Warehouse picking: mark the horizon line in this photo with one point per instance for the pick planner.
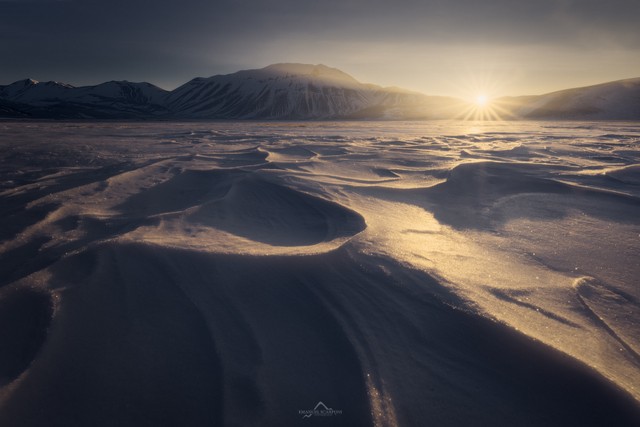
(318, 64)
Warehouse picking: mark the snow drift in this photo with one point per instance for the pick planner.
(243, 273)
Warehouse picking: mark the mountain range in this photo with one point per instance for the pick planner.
(300, 92)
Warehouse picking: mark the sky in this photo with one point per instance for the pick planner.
(438, 47)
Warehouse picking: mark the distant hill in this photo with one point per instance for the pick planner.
(297, 92)
(110, 100)
(619, 100)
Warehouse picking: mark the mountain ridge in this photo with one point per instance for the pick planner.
(615, 100)
(298, 92)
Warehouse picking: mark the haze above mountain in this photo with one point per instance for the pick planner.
(301, 92)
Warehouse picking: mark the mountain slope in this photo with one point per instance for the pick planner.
(30, 91)
(298, 92)
(277, 91)
(107, 100)
(288, 91)
(618, 100)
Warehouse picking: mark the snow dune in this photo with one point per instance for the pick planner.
(402, 274)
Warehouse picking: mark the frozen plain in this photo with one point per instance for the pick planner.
(238, 273)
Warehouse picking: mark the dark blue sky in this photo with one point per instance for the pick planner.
(435, 46)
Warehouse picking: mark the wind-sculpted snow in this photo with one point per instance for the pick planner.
(374, 274)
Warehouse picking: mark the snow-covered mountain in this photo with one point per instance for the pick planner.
(618, 100)
(293, 91)
(115, 99)
(30, 91)
(279, 91)
(299, 92)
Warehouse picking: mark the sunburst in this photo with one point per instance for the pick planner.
(481, 90)
(481, 100)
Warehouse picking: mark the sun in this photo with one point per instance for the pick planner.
(480, 95)
(481, 100)
(483, 106)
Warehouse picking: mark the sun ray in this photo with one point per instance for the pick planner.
(481, 88)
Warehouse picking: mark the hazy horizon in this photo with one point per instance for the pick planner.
(453, 48)
(469, 96)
